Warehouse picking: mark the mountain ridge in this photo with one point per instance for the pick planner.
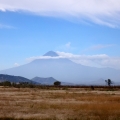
(15, 79)
(48, 81)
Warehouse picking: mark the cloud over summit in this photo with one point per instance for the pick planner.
(104, 12)
(100, 60)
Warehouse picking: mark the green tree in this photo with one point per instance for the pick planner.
(57, 83)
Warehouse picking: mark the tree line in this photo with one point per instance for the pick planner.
(31, 85)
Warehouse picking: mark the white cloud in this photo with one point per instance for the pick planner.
(16, 64)
(42, 57)
(66, 47)
(100, 60)
(2, 26)
(104, 12)
(100, 46)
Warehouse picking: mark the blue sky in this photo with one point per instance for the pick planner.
(76, 29)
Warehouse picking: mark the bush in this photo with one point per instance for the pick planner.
(5, 83)
(57, 83)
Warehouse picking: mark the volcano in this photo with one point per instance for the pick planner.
(63, 69)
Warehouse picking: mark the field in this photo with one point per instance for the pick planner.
(59, 104)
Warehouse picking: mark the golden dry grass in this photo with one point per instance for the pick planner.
(71, 104)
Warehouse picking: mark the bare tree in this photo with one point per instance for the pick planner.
(109, 82)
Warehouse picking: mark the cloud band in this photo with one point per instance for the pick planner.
(104, 12)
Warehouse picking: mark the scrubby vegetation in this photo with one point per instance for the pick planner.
(18, 85)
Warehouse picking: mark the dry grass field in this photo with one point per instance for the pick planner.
(53, 104)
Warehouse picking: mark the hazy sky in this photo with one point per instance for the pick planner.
(85, 31)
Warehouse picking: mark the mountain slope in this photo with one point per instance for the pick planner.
(14, 79)
(45, 81)
(48, 81)
(51, 53)
(63, 69)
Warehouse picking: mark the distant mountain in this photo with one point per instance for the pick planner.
(48, 81)
(65, 70)
(14, 79)
(45, 81)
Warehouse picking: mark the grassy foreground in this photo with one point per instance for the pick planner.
(70, 104)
